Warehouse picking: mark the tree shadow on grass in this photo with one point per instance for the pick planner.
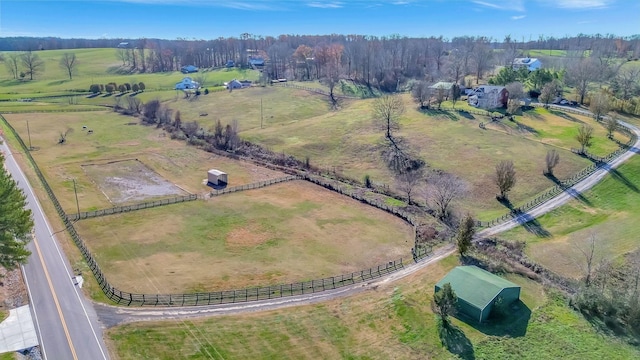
(512, 321)
(566, 116)
(572, 192)
(434, 112)
(621, 178)
(454, 340)
(528, 222)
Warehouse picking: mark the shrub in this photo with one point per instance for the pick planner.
(534, 94)
(206, 91)
(141, 86)
(127, 86)
(95, 88)
(110, 88)
(135, 88)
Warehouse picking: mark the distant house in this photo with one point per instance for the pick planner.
(123, 45)
(530, 63)
(478, 290)
(230, 64)
(488, 97)
(237, 84)
(256, 61)
(187, 83)
(187, 69)
(442, 85)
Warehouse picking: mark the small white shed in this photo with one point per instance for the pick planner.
(216, 177)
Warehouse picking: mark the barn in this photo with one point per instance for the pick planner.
(216, 177)
(478, 290)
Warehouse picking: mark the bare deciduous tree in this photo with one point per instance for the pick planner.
(421, 93)
(584, 137)
(443, 189)
(482, 57)
(551, 160)
(386, 112)
(600, 104)
(32, 63)
(581, 73)
(62, 139)
(505, 177)
(591, 257)
(408, 181)
(11, 62)
(69, 63)
(611, 124)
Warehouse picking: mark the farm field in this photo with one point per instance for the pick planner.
(392, 321)
(284, 233)
(100, 66)
(607, 211)
(117, 138)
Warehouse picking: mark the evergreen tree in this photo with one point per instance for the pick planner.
(465, 234)
(444, 303)
(15, 222)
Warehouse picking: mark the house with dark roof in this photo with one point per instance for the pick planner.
(488, 97)
(187, 69)
(478, 291)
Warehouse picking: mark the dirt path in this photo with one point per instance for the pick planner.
(112, 316)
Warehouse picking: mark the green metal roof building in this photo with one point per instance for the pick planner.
(477, 290)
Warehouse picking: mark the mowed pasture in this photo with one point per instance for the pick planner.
(348, 140)
(99, 66)
(607, 212)
(116, 138)
(394, 321)
(289, 232)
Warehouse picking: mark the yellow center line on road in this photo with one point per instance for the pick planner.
(55, 300)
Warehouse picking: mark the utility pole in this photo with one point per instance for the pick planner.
(29, 135)
(261, 117)
(76, 192)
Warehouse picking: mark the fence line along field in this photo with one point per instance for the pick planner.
(289, 232)
(112, 140)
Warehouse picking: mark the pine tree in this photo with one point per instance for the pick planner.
(444, 303)
(15, 222)
(465, 234)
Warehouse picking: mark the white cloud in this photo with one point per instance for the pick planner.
(518, 17)
(327, 5)
(512, 5)
(579, 4)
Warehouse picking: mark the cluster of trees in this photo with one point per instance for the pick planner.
(28, 64)
(113, 87)
(610, 290)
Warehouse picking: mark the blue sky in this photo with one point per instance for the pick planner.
(210, 19)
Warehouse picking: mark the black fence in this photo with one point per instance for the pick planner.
(599, 162)
(52, 110)
(210, 298)
(257, 293)
(133, 207)
(255, 185)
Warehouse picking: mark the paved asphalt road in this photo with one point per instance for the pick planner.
(67, 325)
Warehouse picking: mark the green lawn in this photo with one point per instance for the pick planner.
(284, 233)
(607, 211)
(391, 322)
(100, 66)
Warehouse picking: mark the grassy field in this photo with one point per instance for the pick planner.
(390, 322)
(608, 211)
(117, 137)
(284, 233)
(97, 66)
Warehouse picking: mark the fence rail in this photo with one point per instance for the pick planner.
(197, 299)
(256, 185)
(128, 208)
(566, 184)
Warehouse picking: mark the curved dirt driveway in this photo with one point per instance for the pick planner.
(111, 315)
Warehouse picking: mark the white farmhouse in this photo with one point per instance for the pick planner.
(187, 83)
(531, 64)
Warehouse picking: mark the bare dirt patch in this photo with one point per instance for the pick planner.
(130, 181)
